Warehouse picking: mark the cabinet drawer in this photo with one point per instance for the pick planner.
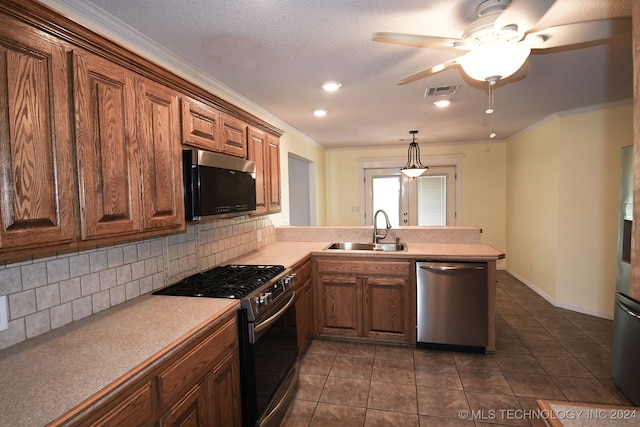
(195, 364)
(367, 267)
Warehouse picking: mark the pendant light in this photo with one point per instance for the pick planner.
(414, 167)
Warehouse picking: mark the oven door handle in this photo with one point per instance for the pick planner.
(267, 322)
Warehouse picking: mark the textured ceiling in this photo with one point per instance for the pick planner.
(277, 53)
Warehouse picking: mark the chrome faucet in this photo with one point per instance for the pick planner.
(377, 236)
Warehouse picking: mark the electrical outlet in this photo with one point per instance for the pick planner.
(4, 318)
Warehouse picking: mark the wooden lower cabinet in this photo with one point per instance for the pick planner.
(213, 402)
(190, 411)
(135, 410)
(304, 304)
(223, 393)
(365, 298)
(199, 386)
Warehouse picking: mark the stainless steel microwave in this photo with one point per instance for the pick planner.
(217, 185)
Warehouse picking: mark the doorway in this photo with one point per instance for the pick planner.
(433, 199)
(302, 195)
(428, 200)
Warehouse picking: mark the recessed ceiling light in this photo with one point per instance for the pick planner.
(331, 86)
(320, 113)
(442, 103)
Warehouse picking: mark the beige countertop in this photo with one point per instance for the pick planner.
(44, 377)
(289, 253)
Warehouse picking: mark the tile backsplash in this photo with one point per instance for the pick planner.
(47, 293)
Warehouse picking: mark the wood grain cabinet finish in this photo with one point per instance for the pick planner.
(36, 187)
(135, 410)
(366, 298)
(304, 305)
(223, 393)
(161, 157)
(233, 136)
(189, 411)
(257, 146)
(200, 125)
(274, 203)
(264, 150)
(107, 151)
(198, 385)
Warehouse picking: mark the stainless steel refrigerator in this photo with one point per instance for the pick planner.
(625, 351)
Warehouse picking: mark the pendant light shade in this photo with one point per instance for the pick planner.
(497, 61)
(414, 167)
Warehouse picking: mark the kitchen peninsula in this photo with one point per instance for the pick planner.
(95, 365)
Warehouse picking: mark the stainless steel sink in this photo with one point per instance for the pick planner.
(383, 247)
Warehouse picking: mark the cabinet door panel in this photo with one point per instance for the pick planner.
(233, 136)
(190, 411)
(199, 125)
(36, 190)
(273, 161)
(386, 308)
(257, 152)
(340, 311)
(159, 126)
(107, 152)
(224, 393)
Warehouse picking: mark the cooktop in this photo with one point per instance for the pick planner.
(229, 281)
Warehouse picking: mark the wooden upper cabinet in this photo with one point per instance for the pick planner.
(200, 125)
(274, 203)
(36, 187)
(264, 150)
(107, 155)
(257, 142)
(233, 136)
(160, 156)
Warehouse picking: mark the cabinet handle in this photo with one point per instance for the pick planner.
(452, 267)
(627, 310)
(266, 323)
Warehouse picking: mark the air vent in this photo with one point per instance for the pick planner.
(441, 90)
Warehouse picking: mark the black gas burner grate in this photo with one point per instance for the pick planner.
(228, 281)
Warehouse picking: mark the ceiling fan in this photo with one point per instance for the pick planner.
(500, 40)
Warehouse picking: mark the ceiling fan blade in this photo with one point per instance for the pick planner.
(429, 72)
(417, 40)
(523, 13)
(580, 32)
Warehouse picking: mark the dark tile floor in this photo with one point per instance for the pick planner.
(542, 352)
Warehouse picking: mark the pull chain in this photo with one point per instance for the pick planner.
(490, 109)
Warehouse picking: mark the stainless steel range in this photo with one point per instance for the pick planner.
(267, 332)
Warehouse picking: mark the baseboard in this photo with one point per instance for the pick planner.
(558, 304)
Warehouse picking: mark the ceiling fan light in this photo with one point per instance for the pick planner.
(496, 61)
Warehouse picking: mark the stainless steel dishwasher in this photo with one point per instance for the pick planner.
(452, 305)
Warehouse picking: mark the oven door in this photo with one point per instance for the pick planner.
(269, 359)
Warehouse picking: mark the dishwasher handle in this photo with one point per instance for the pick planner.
(452, 267)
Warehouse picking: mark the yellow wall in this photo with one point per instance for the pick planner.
(483, 184)
(563, 182)
(532, 206)
(314, 153)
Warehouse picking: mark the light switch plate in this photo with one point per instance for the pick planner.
(4, 321)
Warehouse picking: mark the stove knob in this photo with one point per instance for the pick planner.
(265, 298)
(290, 279)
